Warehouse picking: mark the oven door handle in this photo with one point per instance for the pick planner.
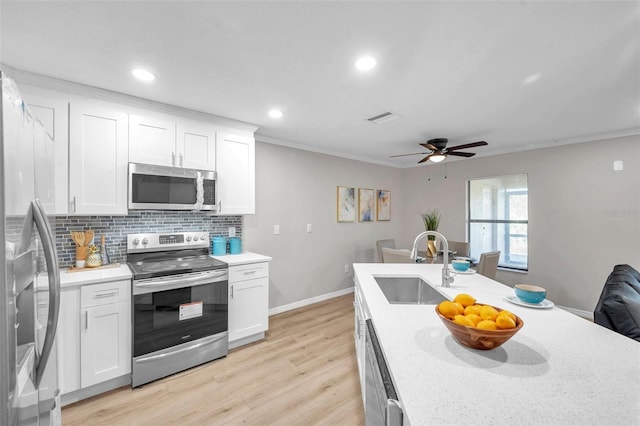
(205, 279)
(179, 351)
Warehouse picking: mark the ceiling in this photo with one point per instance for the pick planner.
(519, 75)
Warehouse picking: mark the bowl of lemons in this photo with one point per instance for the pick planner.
(476, 325)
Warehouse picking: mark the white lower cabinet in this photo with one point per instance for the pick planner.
(248, 301)
(94, 339)
(360, 336)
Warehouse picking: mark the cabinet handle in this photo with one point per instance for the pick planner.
(173, 158)
(86, 320)
(74, 203)
(181, 160)
(232, 292)
(220, 206)
(109, 293)
(250, 272)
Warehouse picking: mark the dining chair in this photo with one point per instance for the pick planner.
(390, 255)
(488, 264)
(461, 248)
(391, 243)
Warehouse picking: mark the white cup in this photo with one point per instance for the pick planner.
(80, 264)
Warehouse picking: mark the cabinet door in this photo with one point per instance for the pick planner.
(196, 145)
(235, 166)
(106, 342)
(68, 337)
(18, 173)
(248, 308)
(98, 146)
(152, 140)
(52, 109)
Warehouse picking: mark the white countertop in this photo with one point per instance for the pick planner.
(92, 276)
(559, 369)
(243, 258)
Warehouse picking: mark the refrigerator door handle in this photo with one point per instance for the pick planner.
(51, 258)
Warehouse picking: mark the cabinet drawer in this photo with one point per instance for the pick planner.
(248, 272)
(105, 293)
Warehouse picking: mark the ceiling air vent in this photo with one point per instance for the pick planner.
(383, 117)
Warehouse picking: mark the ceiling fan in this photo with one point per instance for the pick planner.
(439, 150)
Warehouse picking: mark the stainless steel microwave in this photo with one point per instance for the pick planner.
(154, 187)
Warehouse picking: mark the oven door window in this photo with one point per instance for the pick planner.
(162, 189)
(168, 318)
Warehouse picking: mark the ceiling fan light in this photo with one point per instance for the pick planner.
(436, 158)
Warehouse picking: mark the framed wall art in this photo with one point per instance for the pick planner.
(366, 205)
(346, 204)
(383, 204)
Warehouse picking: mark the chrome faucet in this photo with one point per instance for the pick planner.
(447, 279)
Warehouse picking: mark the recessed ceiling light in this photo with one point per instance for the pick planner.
(276, 113)
(143, 75)
(532, 78)
(366, 63)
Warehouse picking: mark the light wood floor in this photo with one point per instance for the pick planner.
(303, 373)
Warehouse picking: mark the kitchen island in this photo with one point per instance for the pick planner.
(559, 369)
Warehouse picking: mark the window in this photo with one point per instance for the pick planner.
(498, 219)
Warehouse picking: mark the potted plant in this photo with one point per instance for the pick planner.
(431, 221)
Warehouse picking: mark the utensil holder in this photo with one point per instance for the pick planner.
(82, 252)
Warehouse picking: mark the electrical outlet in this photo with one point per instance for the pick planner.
(346, 269)
(276, 229)
(232, 231)
(309, 227)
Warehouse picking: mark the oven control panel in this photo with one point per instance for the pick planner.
(166, 241)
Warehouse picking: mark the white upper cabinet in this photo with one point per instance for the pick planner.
(98, 146)
(196, 145)
(52, 109)
(152, 139)
(169, 141)
(235, 166)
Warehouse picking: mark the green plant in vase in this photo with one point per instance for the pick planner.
(431, 221)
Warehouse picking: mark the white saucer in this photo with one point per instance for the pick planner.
(467, 272)
(545, 304)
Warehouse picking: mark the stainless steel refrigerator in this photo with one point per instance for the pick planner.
(30, 290)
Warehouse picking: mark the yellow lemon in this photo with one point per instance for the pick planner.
(488, 313)
(464, 299)
(473, 309)
(448, 309)
(504, 312)
(462, 320)
(475, 318)
(459, 307)
(487, 325)
(504, 321)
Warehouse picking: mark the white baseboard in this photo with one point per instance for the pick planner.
(579, 312)
(310, 301)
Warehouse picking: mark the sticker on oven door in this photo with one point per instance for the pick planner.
(190, 310)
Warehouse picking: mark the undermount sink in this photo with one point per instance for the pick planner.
(409, 291)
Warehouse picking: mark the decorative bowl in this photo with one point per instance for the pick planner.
(530, 293)
(460, 265)
(480, 339)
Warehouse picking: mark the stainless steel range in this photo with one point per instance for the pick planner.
(180, 304)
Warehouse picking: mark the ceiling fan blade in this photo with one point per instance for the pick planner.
(462, 154)
(404, 155)
(425, 158)
(429, 146)
(467, 145)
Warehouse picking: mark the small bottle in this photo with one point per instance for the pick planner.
(104, 256)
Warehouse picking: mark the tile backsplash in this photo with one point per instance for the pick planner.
(116, 228)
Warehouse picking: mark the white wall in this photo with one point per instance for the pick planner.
(294, 188)
(584, 218)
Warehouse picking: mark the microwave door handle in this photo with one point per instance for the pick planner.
(44, 229)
